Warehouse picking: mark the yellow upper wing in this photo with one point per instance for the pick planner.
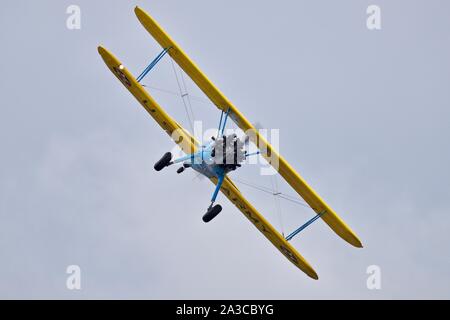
(189, 145)
(272, 156)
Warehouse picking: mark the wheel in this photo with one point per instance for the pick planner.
(163, 162)
(180, 170)
(212, 213)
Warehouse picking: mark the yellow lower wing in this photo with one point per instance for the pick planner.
(272, 156)
(189, 145)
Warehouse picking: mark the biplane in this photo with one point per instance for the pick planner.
(223, 154)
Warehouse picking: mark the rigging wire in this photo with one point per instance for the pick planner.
(188, 96)
(187, 107)
(268, 191)
(273, 181)
(192, 97)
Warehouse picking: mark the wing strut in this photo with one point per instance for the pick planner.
(152, 64)
(304, 226)
(222, 130)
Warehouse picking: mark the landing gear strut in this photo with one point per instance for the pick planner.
(214, 210)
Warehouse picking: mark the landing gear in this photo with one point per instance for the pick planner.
(214, 210)
(165, 161)
(212, 213)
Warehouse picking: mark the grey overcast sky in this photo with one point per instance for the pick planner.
(363, 115)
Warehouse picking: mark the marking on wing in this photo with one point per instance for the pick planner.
(288, 253)
(122, 77)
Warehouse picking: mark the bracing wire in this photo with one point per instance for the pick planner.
(273, 181)
(192, 97)
(186, 93)
(271, 192)
(189, 114)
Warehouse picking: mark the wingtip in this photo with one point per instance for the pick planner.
(310, 272)
(357, 243)
(351, 238)
(138, 11)
(142, 15)
(101, 50)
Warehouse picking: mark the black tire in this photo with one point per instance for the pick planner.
(180, 170)
(212, 213)
(163, 162)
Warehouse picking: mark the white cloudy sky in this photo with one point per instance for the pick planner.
(364, 117)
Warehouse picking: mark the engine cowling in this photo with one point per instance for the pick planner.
(228, 151)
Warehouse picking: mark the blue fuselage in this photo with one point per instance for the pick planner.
(203, 162)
